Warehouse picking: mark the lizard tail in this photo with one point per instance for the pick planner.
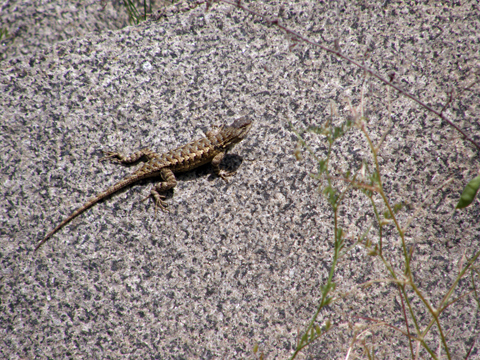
(118, 186)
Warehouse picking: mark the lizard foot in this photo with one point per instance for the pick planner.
(112, 156)
(159, 203)
(225, 175)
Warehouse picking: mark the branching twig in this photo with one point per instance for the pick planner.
(299, 37)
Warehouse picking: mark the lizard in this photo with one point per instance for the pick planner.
(211, 149)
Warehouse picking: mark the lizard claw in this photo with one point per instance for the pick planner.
(110, 155)
(225, 175)
(159, 203)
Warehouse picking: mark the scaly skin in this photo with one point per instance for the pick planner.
(210, 149)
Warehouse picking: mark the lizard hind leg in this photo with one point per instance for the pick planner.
(169, 183)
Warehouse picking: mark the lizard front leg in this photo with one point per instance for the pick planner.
(216, 167)
(129, 159)
(169, 183)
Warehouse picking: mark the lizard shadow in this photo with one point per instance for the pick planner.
(230, 163)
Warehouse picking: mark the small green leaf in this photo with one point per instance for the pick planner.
(373, 252)
(374, 178)
(304, 338)
(318, 330)
(331, 195)
(338, 132)
(327, 288)
(3, 33)
(468, 194)
(339, 233)
(368, 243)
(398, 207)
(255, 348)
(322, 166)
(316, 130)
(327, 301)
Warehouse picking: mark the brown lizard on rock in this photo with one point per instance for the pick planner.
(210, 149)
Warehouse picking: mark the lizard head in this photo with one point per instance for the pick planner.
(239, 129)
(225, 137)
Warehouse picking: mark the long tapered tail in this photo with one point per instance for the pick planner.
(118, 186)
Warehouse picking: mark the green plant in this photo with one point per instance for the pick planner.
(3, 33)
(134, 14)
(368, 180)
(469, 193)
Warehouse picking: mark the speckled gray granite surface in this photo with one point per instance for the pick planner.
(34, 25)
(240, 263)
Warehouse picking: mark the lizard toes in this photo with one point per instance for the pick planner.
(226, 175)
(110, 155)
